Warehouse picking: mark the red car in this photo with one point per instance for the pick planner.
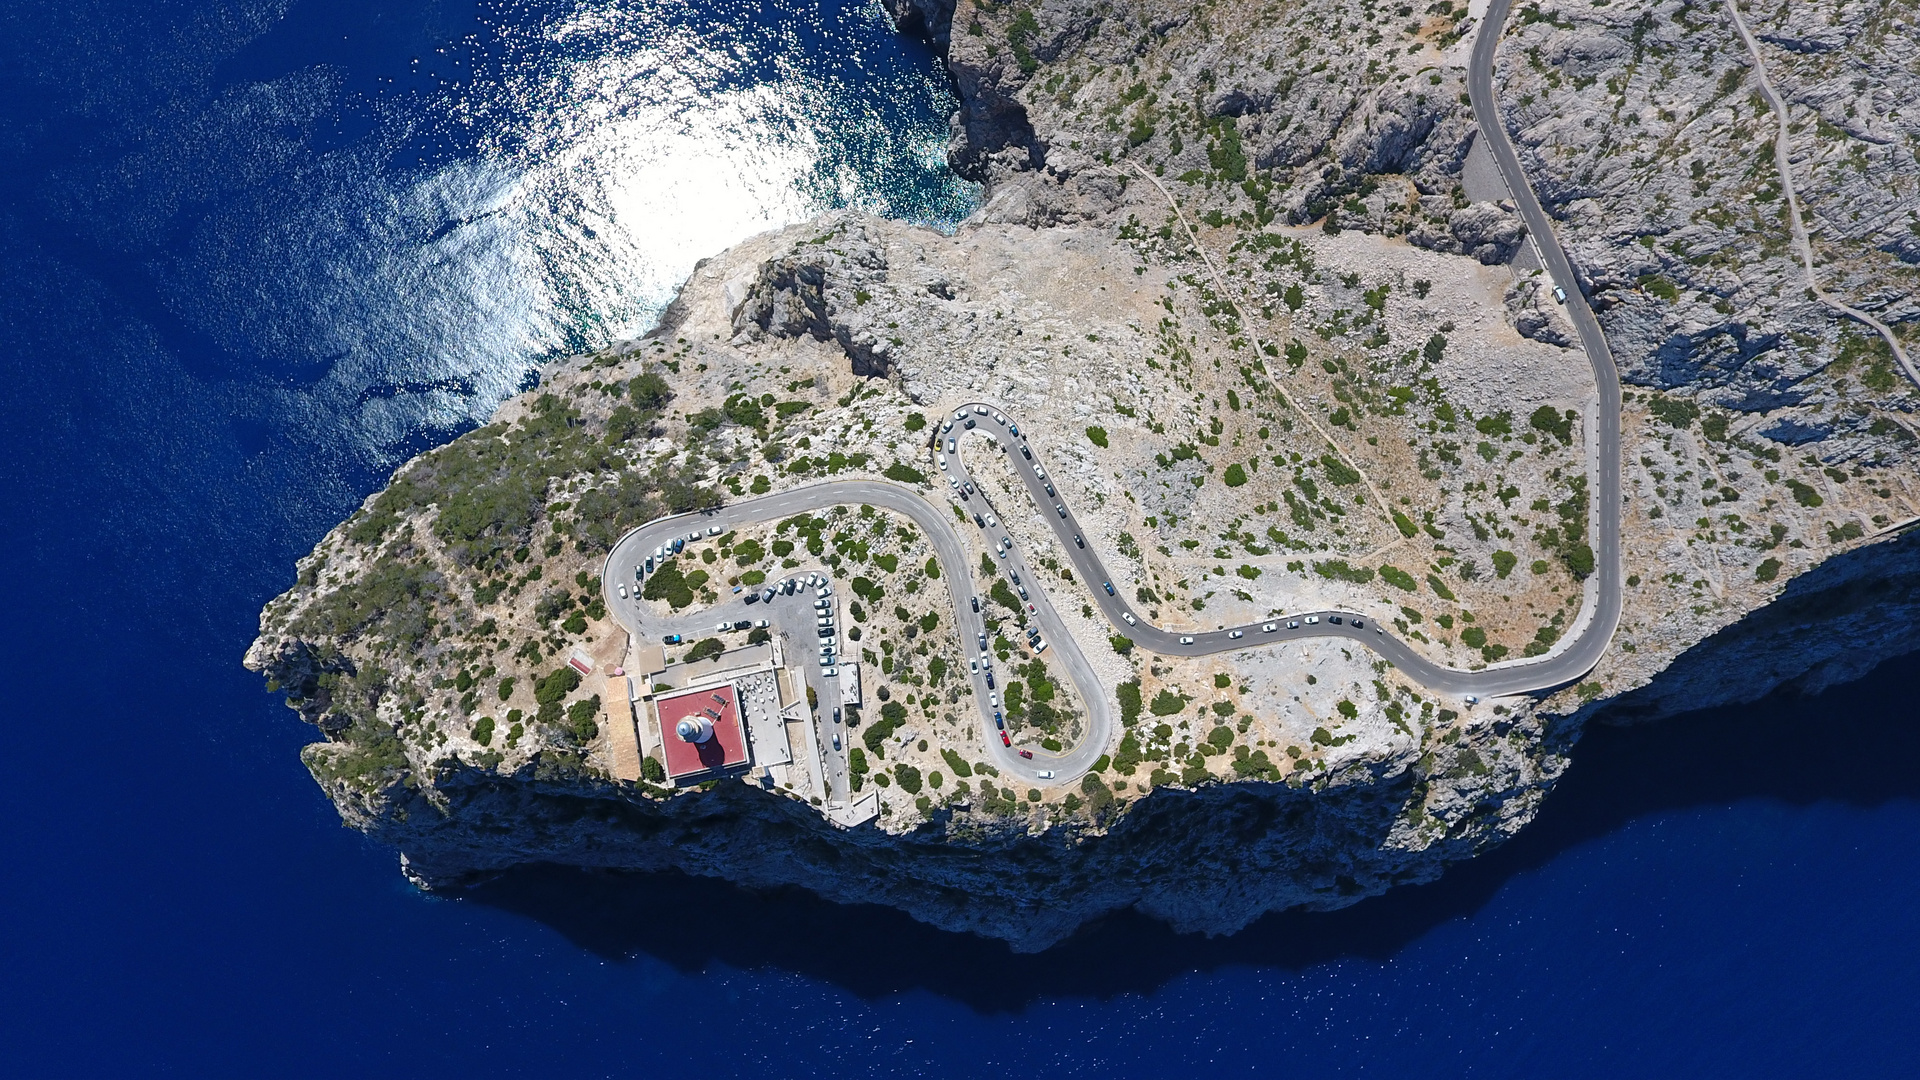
(1004, 741)
(1028, 754)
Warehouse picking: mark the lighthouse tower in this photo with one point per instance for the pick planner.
(694, 729)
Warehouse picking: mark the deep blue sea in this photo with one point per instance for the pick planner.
(255, 253)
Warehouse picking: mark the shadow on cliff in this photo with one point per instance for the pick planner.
(1772, 749)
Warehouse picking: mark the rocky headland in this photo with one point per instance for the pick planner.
(1384, 412)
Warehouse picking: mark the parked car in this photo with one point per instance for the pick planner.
(836, 714)
(941, 460)
(989, 678)
(1312, 619)
(1004, 740)
(980, 521)
(950, 446)
(999, 721)
(1334, 619)
(1026, 452)
(829, 672)
(769, 595)
(1559, 295)
(1293, 624)
(743, 624)
(1040, 647)
(975, 666)
(672, 639)
(762, 624)
(1045, 774)
(836, 740)
(724, 626)
(1268, 628)
(992, 522)
(753, 598)
(983, 642)
(1358, 625)
(1028, 754)
(623, 592)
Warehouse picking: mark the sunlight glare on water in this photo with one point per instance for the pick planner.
(605, 149)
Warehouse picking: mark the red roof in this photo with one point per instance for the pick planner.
(726, 749)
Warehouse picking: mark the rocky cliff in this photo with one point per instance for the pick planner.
(1327, 158)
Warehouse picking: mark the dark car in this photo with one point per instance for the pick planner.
(1050, 490)
(1108, 585)
(976, 602)
(980, 521)
(990, 685)
(753, 598)
(743, 624)
(1026, 453)
(672, 639)
(1334, 619)
(1062, 509)
(999, 721)
(1077, 542)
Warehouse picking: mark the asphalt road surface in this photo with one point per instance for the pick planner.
(1575, 658)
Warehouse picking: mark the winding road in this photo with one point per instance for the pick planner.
(1576, 656)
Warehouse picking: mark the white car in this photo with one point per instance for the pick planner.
(830, 673)
(1235, 634)
(1312, 619)
(992, 522)
(976, 665)
(762, 624)
(941, 459)
(623, 592)
(825, 591)
(950, 446)
(713, 530)
(1045, 774)
(724, 626)
(980, 410)
(1128, 615)
(960, 413)
(1186, 639)
(994, 700)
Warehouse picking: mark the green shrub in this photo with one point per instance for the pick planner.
(1767, 570)
(1220, 737)
(669, 584)
(903, 473)
(705, 649)
(1097, 436)
(1504, 562)
(1553, 422)
(1129, 694)
(916, 422)
(1678, 412)
(580, 719)
(1804, 493)
(1404, 524)
(652, 770)
(1346, 708)
(557, 686)
(1500, 423)
(955, 762)
(1167, 703)
(1473, 637)
(1439, 587)
(483, 731)
(1337, 471)
(1121, 644)
(1398, 578)
(907, 777)
(1338, 570)
(506, 688)
(1235, 475)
